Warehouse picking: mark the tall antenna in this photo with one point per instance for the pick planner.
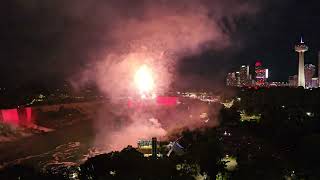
(301, 40)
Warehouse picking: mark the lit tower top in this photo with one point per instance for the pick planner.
(301, 48)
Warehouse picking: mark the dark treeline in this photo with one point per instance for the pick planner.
(257, 100)
(288, 132)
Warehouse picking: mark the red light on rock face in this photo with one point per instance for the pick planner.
(132, 103)
(10, 116)
(159, 101)
(167, 101)
(21, 116)
(29, 115)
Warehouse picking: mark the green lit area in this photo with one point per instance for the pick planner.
(249, 117)
(228, 104)
(230, 162)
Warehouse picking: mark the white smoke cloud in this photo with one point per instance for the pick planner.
(156, 33)
(143, 129)
(110, 39)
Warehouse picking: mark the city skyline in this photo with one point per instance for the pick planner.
(306, 75)
(259, 77)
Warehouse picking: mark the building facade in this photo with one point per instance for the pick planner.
(315, 83)
(232, 79)
(309, 71)
(293, 81)
(261, 74)
(244, 75)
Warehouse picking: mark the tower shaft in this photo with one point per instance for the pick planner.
(301, 76)
(319, 68)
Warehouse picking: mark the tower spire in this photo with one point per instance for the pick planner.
(301, 40)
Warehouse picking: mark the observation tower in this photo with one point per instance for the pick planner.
(301, 48)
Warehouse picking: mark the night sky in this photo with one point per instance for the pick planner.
(41, 44)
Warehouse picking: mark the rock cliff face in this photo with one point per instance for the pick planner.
(27, 116)
(83, 107)
(17, 116)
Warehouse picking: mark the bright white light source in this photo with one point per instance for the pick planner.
(113, 173)
(310, 114)
(231, 162)
(225, 133)
(144, 80)
(73, 176)
(267, 73)
(203, 115)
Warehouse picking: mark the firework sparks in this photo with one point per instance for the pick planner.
(144, 80)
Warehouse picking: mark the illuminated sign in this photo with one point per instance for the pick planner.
(144, 143)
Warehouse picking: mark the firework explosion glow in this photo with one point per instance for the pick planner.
(138, 50)
(144, 80)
